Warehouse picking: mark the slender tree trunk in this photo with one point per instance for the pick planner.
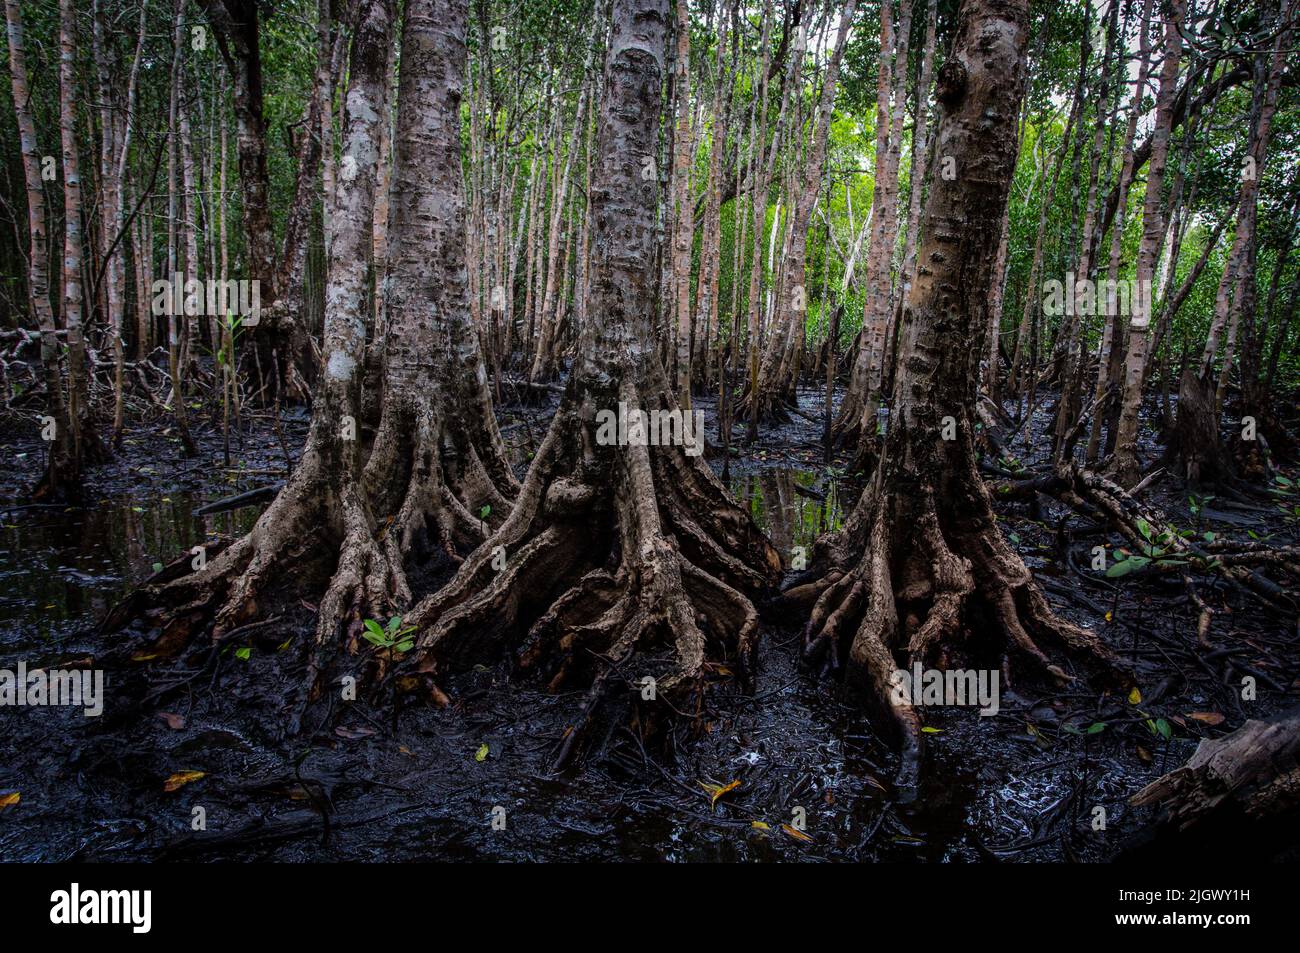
(791, 306)
(857, 418)
(1110, 359)
(1125, 465)
(63, 467)
(1194, 447)
(85, 440)
(682, 208)
(175, 362)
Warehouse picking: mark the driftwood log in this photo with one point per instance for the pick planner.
(1240, 792)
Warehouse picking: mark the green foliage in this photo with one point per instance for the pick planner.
(391, 636)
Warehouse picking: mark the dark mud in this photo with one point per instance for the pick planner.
(1025, 784)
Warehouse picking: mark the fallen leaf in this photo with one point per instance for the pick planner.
(9, 800)
(1144, 754)
(482, 753)
(352, 734)
(182, 778)
(717, 790)
(1206, 717)
(932, 731)
(174, 722)
(1135, 696)
(760, 825)
(797, 835)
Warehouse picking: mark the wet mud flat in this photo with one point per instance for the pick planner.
(794, 770)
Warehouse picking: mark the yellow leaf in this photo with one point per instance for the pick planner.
(182, 778)
(482, 753)
(9, 800)
(1135, 696)
(760, 825)
(932, 731)
(717, 790)
(1109, 617)
(797, 835)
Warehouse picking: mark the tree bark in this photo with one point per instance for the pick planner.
(63, 466)
(613, 548)
(1125, 464)
(921, 555)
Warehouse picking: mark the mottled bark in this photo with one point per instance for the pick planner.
(856, 421)
(320, 507)
(1111, 356)
(85, 439)
(681, 208)
(1125, 464)
(63, 466)
(1194, 448)
(612, 548)
(775, 382)
(921, 552)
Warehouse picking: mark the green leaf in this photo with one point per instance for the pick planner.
(380, 640)
(1209, 537)
(404, 646)
(485, 511)
(157, 567)
(482, 753)
(373, 626)
(245, 653)
(1096, 727)
(1121, 568)
(1144, 528)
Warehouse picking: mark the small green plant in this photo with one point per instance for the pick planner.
(1159, 728)
(1157, 550)
(390, 637)
(1095, 728)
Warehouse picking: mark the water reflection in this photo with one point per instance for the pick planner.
(793, 507)
(58, 564)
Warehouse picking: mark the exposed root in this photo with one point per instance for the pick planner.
(614, 565)
(920, 582)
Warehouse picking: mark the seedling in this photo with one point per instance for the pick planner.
(391, 637)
